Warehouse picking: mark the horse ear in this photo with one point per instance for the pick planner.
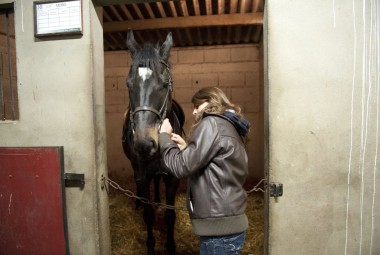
(132, 45)
(166, 46)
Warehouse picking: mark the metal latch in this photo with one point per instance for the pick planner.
(275, 189)
(74, 180)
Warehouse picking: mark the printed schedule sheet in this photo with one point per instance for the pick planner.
(59, 17)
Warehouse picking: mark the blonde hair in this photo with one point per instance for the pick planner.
(218, 103)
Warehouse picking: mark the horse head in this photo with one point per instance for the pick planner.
(150, 92)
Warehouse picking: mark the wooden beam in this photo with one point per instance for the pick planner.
(186, 22)
(118, 2)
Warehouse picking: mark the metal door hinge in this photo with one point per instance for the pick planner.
(275, 189)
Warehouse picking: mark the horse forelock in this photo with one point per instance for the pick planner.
(148, 57)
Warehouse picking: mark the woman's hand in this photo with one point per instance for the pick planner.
(179, 141)
(166, 127)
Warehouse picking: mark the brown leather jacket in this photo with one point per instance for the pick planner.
(216, 165)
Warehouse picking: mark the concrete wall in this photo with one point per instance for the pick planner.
(235, 69)
(322, 67)
(61, 100)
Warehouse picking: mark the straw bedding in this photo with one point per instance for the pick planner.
(128, 231)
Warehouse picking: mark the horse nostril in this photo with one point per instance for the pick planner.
(154, 147)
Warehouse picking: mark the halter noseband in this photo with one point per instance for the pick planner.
(163, 110)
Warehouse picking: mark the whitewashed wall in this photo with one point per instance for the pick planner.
(322, 68)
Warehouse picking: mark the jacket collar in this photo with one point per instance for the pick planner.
(241, 125)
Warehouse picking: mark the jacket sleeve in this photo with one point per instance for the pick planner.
(200, 150)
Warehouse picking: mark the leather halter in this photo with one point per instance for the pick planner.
(163, 110)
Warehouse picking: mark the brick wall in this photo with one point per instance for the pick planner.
(235, 69)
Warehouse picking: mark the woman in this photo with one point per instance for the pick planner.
(215, 162)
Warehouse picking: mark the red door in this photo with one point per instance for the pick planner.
(32, 211)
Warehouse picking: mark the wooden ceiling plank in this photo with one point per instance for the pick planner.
(247, 34)
(243, 6)
(199, 36)
(152, 16)
(237, 34)
(233, 6)
(208, 7)
(184, 8)
(108, 45)
(126, 12)
(179, 37)
(106, 16)
(229, 34)
(196, 8)
(117, 42)
(161, 9)
(219, 35)
(221, 6)
(115, 12)
(186, 22)
(185, 13)
(255, 5)
(261, 6)
(139, 37)
(137, 10)
(209, 36)
(257, 34)
(238, 29)
(150, 11)
(189, 38)
(123, 40)
(172, 9)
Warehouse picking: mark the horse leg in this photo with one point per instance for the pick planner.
(149, 221)
(156, 180)
(138, 203)
(171, 184)
(137, 178)
(148, 215)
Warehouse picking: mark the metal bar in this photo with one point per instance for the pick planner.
(10, 68)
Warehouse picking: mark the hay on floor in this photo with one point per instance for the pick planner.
(128, 232)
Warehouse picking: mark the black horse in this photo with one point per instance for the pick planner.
(150, 102)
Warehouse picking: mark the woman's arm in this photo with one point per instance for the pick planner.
(201, 149)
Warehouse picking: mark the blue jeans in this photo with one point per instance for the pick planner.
(222, 245)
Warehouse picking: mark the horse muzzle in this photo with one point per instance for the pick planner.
(146, 142)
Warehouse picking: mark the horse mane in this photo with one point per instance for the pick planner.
(179, 112)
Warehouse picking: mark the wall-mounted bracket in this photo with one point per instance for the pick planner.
(74, 180)
(275, 189)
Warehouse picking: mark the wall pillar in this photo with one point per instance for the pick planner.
(61, 100)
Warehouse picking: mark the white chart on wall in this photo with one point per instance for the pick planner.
(58, 17)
